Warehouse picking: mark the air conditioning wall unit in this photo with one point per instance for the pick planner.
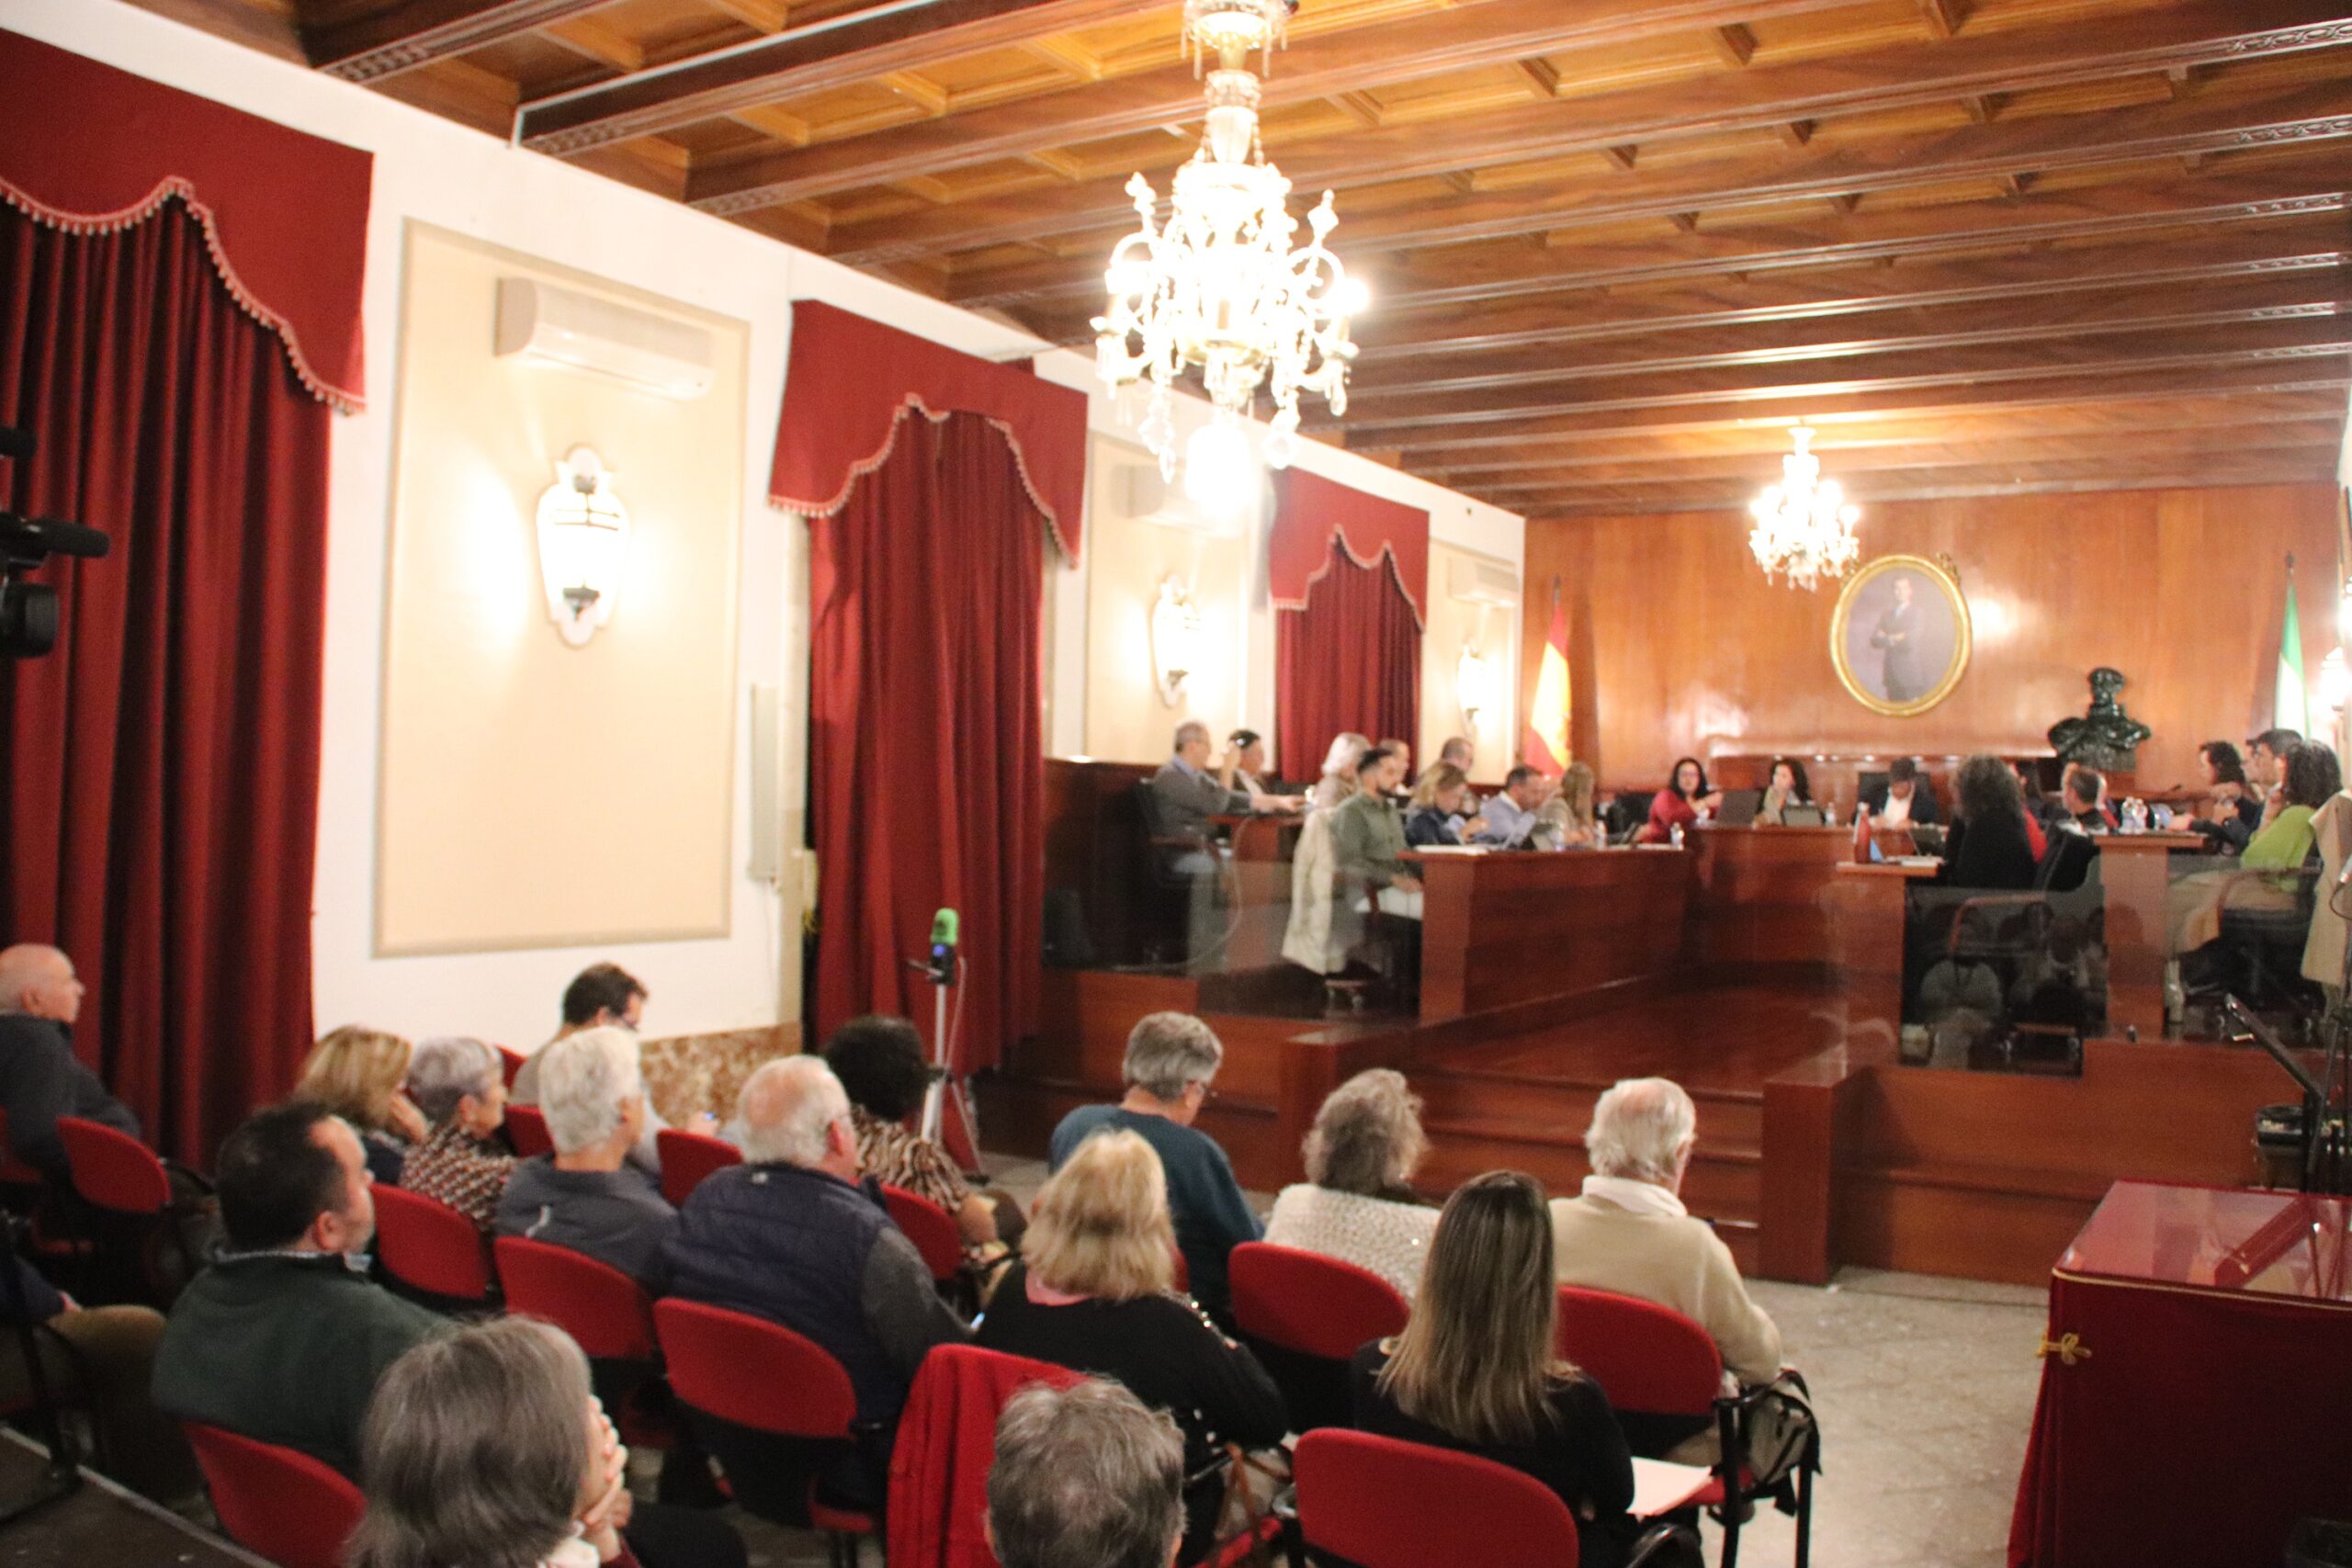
(1476, 582)
(655, 354)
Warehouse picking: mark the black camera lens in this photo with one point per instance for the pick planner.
(27, 620)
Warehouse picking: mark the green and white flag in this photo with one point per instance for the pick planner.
(2290, 710)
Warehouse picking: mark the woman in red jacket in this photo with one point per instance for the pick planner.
(1683, 804)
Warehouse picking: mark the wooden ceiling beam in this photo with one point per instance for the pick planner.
(898, 36)
(1761, 98)
(418, 32)
(2308, 296)
(1475, 34)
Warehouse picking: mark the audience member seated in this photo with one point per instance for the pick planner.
(1684, 803)
(606, 996)
(1337, 782)
(2286, 839)
(586, 1195)
(1457, 751)
(1437, 815)
(485, 1446)
(1187, 793)
(1085, 1477)
(1788, 786)
(1511, 820)
(40, 1078)
(284, 1337)
(880, 1064)
(2083, 795)
(1398, 785)
(361, 1075)
(2231, 810)
(460, 1087)
(792, 1236)
(1245, 772)
(1906, 800)
(1357, 1204)
(1093, 1293)
(1171, 1059)
(1368, 844)
(2265, 766)
(1569, 820)
(1475, 1370)
(1988, 846)
(1628, 1232)
(101, 1358)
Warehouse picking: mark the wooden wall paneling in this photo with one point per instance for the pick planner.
(1503, 929)
(1763, 894)
(2135, 878)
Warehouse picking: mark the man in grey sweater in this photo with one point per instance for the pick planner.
(587, 1196)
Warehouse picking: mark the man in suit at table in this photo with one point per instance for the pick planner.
(1187, 794)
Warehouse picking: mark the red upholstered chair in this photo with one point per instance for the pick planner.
(1306, 1316)
(607, 1313)
(113, 1170)
(1381, 1503)
(687, 1157)
(275, 1502)
(939, 1464)
(510, 1062)
(1653, 1360)
(761, 1375)
(526, 1130)
(932, 1230)
(431, 1248)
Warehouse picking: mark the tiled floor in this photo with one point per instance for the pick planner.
(1925, 1388)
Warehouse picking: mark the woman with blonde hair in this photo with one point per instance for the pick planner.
(1357, 1204)
(361, 1075)
(1093, 1293)
(1439, 806)
(1568, 820)
(1475, 1368)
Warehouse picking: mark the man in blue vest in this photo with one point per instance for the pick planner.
(792, 1236)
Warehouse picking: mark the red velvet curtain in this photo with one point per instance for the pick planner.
(1350, 660)
(926, 749)
(160, 799)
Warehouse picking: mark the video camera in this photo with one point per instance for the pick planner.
(29, 610)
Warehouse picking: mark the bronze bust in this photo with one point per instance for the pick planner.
(2105, 738)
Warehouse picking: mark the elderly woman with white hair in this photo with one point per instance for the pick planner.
(1628, 1232)
(1337, 782)
(1357, 1204)
(586, 1195)
(459, 1088)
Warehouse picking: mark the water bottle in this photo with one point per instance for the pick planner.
(2136, 815)
(1674, 834)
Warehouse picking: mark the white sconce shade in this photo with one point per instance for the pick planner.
(584, 546)
(2334, 682)
(1473, 684)
(1175, 640)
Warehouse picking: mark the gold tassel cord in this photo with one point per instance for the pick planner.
(2068, 1347)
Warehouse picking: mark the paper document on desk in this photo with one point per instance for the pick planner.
(1661, 1486)
(1452, 848)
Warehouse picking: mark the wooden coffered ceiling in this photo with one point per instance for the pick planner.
(1616, 246)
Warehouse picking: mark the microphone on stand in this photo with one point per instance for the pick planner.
(943, 930)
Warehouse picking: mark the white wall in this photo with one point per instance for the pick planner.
(430, 169)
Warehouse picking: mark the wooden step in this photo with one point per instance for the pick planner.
(1553, 1108)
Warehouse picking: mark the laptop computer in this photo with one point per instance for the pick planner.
(1739, 807)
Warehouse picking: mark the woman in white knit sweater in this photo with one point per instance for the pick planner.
(1358, 1203)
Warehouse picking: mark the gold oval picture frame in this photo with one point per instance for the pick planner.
(1900, 637)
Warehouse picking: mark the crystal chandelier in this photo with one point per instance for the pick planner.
(1220, 285)
(1805, 528)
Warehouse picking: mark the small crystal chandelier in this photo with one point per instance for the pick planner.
(1804, 529)
(1220, 286)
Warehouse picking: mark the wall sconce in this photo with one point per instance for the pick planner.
(1175, 640)
(583, 545)
(1473, 684)
(2335, 685)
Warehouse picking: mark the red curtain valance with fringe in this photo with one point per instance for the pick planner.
(1311, 513)
(852, 381)
(89, 149)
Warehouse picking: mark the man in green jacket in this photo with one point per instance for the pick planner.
(283, 1338)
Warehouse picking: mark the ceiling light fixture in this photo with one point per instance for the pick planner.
(1220, 285)
(1805, 528)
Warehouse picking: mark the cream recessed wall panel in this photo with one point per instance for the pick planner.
(1129, 556)
(533, 794)
(1450, 625)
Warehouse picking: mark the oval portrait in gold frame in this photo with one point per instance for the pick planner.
(1900, 636)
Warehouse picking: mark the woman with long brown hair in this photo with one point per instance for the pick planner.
(1475, 1370)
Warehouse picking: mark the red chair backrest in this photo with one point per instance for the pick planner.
(276, 1501)
(430, 1247)
(753, 1372)
(687, 1157)
(526, 1129)
(604, 1310)
(938, 1497)
(1310, 1304)
(510, 1062)
(1644, 1357)
(1381, 1503)
(113, 1170)
(932, 1228)
(13, 1171)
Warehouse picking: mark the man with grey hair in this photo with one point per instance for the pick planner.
(40, 1078)
(1171, 1059)
(586, 1195)
(459, 1088)
(1085, 1477)
(1629, 1232)
(794, 1237)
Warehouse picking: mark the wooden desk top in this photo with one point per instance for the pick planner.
(1890, 868)
(2150, 840)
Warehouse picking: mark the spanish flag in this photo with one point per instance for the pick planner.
(1545, 746)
